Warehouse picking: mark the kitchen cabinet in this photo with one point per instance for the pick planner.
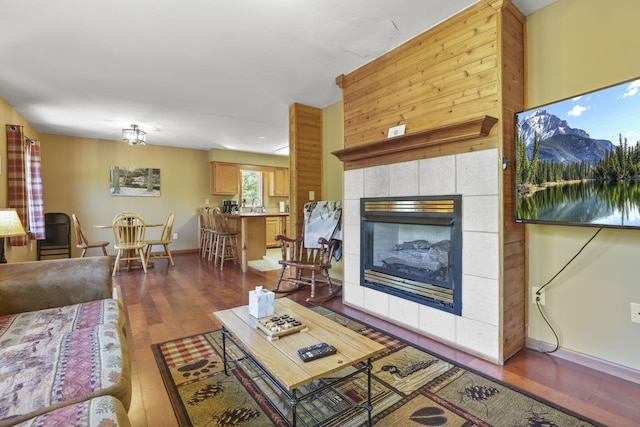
(279, 182)
(225, 178)
(273, 228)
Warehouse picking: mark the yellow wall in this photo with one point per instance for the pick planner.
(332, 179)
(75, 174)
(575, 46)
(232, 156)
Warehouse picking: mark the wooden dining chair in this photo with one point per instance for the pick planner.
(81, 240)
(164, 241)
(128, 234)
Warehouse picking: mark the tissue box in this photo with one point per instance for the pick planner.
(261, 303)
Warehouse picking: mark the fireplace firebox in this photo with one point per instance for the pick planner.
(411, 247)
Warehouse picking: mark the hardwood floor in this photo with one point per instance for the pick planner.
(173, 302)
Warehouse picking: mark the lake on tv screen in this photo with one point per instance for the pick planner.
(598, 203)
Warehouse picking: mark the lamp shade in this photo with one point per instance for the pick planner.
(10, 225)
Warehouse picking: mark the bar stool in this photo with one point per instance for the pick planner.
(206, 233)
(226, 240)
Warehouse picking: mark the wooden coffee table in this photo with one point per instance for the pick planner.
(279, 359)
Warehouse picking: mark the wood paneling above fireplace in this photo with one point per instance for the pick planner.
(444, 76)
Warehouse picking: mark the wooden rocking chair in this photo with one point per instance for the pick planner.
(308, 266)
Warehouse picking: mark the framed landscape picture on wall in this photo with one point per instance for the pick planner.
(129, 181)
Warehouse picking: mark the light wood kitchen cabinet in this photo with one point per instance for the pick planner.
(225, 178)
(274, 227)
(279, 182)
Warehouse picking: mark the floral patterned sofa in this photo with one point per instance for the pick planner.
(63, 348)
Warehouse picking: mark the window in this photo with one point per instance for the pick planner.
(251, 186)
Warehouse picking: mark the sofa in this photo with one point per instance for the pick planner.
(63, 347)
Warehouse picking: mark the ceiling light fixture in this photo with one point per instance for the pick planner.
(134, 136)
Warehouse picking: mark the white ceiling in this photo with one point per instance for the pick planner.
(198, 74)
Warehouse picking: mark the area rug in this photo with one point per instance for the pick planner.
(268, 262)
(410, 387)
(265, 264)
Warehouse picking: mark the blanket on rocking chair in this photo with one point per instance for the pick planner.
(323, 219)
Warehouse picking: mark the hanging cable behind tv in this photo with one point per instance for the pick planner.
(539, 292)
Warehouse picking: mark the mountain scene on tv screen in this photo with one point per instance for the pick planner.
(560, 143)
(578, 160)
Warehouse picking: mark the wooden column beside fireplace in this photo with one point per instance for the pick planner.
(456, 87)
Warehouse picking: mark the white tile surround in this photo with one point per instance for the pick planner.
(475, 177)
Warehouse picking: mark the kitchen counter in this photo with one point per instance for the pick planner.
(258, 214)
(253, 231)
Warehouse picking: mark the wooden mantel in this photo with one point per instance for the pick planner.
(399, 148)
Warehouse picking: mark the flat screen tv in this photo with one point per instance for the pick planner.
(578, 159)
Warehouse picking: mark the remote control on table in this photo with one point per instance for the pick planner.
(312, 347)
(317, 353)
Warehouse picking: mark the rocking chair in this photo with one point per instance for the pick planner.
(308, 266)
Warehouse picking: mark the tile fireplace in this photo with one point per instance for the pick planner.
(474, 176)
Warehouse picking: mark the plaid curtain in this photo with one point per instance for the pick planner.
(34, 190)
(21, 196)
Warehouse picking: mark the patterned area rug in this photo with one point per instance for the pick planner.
(410, 387)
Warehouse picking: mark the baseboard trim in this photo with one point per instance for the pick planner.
(590, 362)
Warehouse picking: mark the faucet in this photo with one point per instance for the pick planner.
(254, 205)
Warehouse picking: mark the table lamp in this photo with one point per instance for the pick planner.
(10, 226)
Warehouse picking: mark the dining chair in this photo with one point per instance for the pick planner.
(57, 241)
(164, 241)
(128, 233)
(81, 239)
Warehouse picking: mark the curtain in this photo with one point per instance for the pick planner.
(34, 190)
(24, 192)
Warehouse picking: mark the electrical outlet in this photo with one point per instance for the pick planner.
(175, 236)
(534, 296)
(635, 312)
(312, 196)
(206, 202)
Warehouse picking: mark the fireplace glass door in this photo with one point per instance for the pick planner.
(412, 247)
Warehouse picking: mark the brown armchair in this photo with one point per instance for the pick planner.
(307, 266)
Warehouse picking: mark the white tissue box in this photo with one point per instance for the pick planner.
(261, 302)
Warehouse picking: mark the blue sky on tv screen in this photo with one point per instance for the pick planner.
(603, 114)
